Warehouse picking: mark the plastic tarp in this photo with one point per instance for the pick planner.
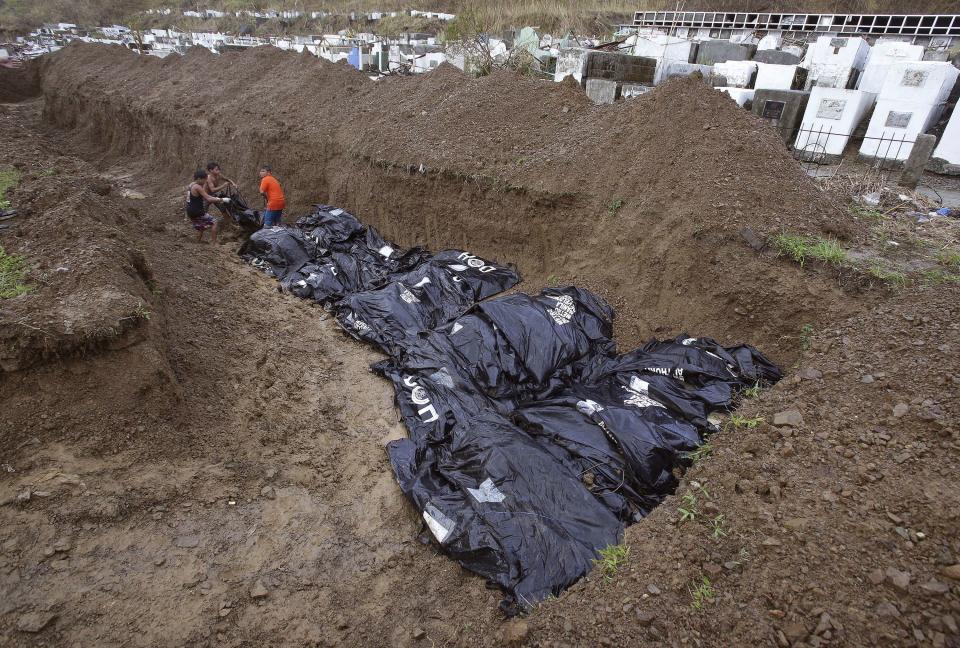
(532, 442)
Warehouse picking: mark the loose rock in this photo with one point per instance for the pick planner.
(258, 591)
(790, 418)
(34, 622)
(953, 571)
(899, 579)
(187, 541)
(515, 633)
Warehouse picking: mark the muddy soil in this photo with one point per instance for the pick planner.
(214, 473)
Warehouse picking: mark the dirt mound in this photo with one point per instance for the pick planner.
(684, 147)
(81, 353)
(91, 285)
(692, 151)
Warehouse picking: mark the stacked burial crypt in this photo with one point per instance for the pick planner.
(532, 442)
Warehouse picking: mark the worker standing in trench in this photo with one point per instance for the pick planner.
(219, 186)
(197, 199)
(273, 194)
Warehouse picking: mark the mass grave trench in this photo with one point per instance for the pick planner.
(528, 434)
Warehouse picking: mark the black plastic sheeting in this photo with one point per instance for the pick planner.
(532, 443)
(240, 212)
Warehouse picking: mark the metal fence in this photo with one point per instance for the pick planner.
(822, 151)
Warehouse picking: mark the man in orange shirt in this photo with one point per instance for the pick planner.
(273, 194)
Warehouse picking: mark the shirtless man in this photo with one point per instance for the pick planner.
(216, 182)
(218, 185)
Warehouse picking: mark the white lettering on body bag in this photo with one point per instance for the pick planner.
(419, 396)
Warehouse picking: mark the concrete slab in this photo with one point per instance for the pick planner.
(624, 68)
(602, 91)
(783, 109)
(717, 51)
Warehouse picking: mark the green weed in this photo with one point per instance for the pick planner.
(611, 559)
(689, 509)
(9, 178)
(894, 277)
(751, 392)
(738, 421)
(801, 248)
(701, 593)
(718, 527)
(614, 207)
(13, 274)
(806, 337)
(700, 453)
(949, 258)
(140, 312)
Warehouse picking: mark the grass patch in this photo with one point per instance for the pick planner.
(751, 392)
(700, 453)
(936, 277)
(829, 251)
(791, 245)
(612, 559)
(738, 421)
(9, 178)
(864, 212)
(949, 258)
(701, 593)
(13, 274)
(801, 248)
(893, 277)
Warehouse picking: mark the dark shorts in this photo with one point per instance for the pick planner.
(272, 217)
(204, 222)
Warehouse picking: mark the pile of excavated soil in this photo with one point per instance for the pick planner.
(90, 294)
(684, 148)
(90, 280)
(643, 201)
